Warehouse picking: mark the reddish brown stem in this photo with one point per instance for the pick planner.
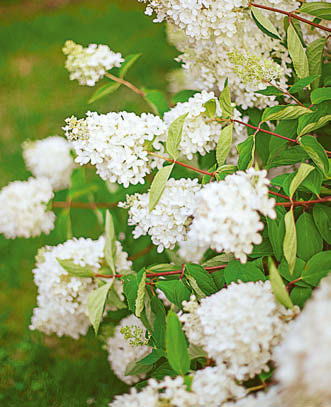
(182, 271)
(83, 205)
(125, 83)
(280, 195)
(292, 283)
(291, 15)
(304, 203)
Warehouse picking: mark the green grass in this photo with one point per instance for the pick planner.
(35, 98)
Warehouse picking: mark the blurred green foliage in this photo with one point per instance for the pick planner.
(35, 98)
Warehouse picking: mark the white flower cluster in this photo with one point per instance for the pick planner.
(50, 158)
(121, 353)
(238, 326)
(62, 298)
(270, 398)
(114, 143)
(88, 65)
(213, 28)
(23, 208)
(167, 223)
(304, 358)
(227, 215)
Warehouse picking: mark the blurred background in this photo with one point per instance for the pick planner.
(35, 98)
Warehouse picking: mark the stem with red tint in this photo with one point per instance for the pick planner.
(83, 205)
(304, 203)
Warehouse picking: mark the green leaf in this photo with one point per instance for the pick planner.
(319, 95)
(246, 153)
(270, 91)
(130, 288)
(127, 64)
(140, 294)
(264, 23)
(298, 270)
(302, 83)
(134, 368)
(175, 291)
(63, 225)
(310, 241)
(104, 90)
(236, 271)
(210, 107)
(290, 240)
(158, 185)
(96, 304)
(314, 54)
(319, 9)
(75, 269)
(159, 325)
(203, 278)
(176, 345)
(153, 357)
(322, 218)
(224, 144)
(297, 53)
(196, 352)
(174, 136)
(299, 295)
(288, 112)
(309, 123)
(317, 267)
(290, 156)
(225, 102)
(313, 182)
(110, 244)
(278, 286)
(276, 232)
(195, 286)
(302, 173)
(157, 101)
(218, 260)
(316, 152)
(183, 96)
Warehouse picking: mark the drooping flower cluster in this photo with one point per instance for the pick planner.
(238, 326)
(50, 158)
(88, 65)
(23, 208)
(114, 143)
(121, 353)
(168, 222)
(228, 213)
(304, 357)
(62, 298)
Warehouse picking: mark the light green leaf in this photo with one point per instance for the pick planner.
(302, 83)
(195, 286)
(263, 22)
(224, 144)
(320, 9)
(158, 185)
(319, 95)
(104, 90)
(278, 286)
(316, 152)
(307, 126)
(75, 269)
(290, 240)
(302, 173)
(176, 345)
(314, 53)
(246, 151)
(218, 260)
(126, 65)
(157, 101)
(225, 102)
(284, 112)
(140, 295)
(210, 107)
(203, 278)
(174, 136)
(110, 244)
(96, 304)
(297, 53)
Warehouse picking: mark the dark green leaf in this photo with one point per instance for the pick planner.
(203, 278)
(246, 153)
(302, 83)
(183, 96)
(130, 289)
(309, 239)
(320, 95)
(299, 295)
(276, 232)
(157, 101)
(316, 152)
(322, 218)
(235, 271)
(317, 267)
(270, 91)
(175, 291)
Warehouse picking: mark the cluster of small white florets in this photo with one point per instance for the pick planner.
(270, 398)
(228, 213)
(23, 208)
(50, 158)
(304, 357)
(88, 65)
(121, 353)
(168, 222)
(114, 143)
(62, 298)
(242, 336)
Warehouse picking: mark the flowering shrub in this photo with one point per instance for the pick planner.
(228, 180)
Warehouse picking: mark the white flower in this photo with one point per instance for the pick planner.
(114, 143)
(121, 353)
(167, 223)
(23, 208)
(304, 357)
(238, 327)
(50, 158)
(190, 251)
(147, 397)
(227, 215)
(88, 65)
(62, 298)
(270, 398)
